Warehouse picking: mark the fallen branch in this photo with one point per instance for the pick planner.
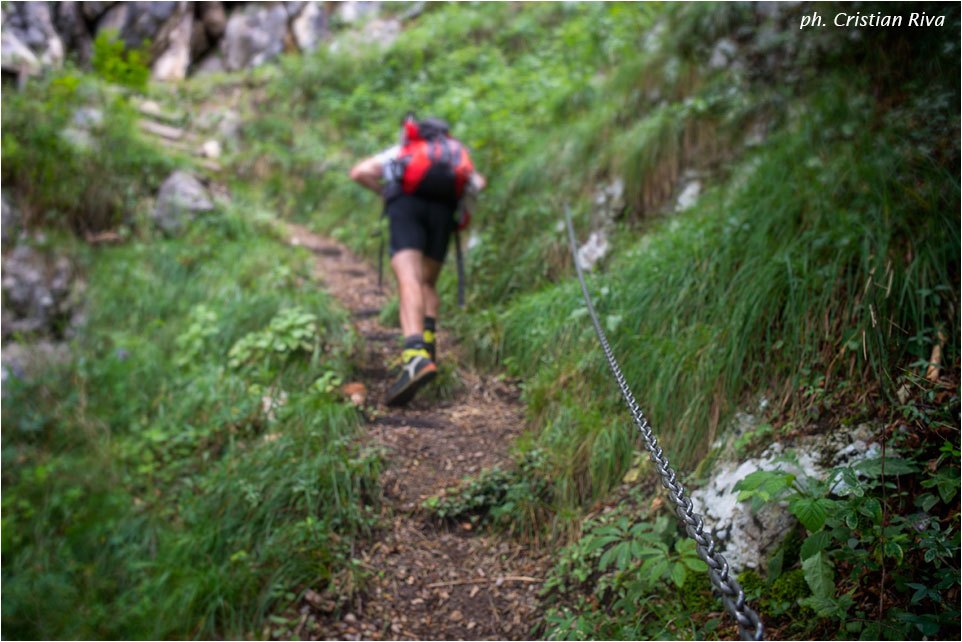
(486, 580)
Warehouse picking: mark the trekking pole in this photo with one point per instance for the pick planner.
(380, 260)
(457, 247)
(380, 250)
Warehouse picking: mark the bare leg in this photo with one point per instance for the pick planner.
(429, 293)
(408, 266)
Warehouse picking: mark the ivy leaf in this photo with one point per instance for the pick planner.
(819, 574)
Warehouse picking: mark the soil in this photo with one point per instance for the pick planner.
(427, 580)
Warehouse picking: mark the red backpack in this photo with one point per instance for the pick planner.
(432, 164)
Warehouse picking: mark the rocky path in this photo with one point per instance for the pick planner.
(426, 581)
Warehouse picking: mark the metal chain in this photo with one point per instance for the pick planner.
(750, 625)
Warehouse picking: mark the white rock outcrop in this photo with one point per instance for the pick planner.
(181, 198)
(254, 37)
(748, 538)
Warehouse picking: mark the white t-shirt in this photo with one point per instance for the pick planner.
(388, 154)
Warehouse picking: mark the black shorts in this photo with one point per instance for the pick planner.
(420, 224)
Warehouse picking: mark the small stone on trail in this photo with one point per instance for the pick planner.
(350, 618)
(455, 616)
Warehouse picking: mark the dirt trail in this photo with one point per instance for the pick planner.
(428, 582)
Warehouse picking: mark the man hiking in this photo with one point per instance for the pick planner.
(422, 181)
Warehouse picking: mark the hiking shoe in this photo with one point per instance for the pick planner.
(418, 370)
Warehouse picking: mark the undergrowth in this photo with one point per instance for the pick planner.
(183, 475)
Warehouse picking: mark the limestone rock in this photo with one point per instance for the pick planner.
(212, 63)
(688, 194)
(39, 293)
(210, 149)
(25, 361)
(309, 26)
(153, 21)
(113, 19)
(254, 37)
(353, 12)
(11, 221)
(594, 249)
(31, 24)
(93, 10)
(16, 57)
(748, 538)
(173, 62)
(181, 198)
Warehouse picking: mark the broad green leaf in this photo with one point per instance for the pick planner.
(814, 543)
(926, 501)
(819, 573)
(893, 466)
(597, 542)
(754, 480)
(893, 550)
(615, 553)
(872, 508)
(695, 564)
(678, 574)
(823, 606)
(654, 567)
(651, 551)
(810, 512)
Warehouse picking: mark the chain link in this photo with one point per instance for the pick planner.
(750, 625)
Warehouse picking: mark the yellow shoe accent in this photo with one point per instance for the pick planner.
(429, 336)
(410, 353)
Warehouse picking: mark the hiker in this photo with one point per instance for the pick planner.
(422, 180)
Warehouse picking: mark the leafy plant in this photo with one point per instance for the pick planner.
(515, 500)
(640, 577)
(850, 533)
(291, 330)
(202, 325)
(112, 61)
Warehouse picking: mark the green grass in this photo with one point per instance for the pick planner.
(149, 495)
(815, 261)
(806, 274)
